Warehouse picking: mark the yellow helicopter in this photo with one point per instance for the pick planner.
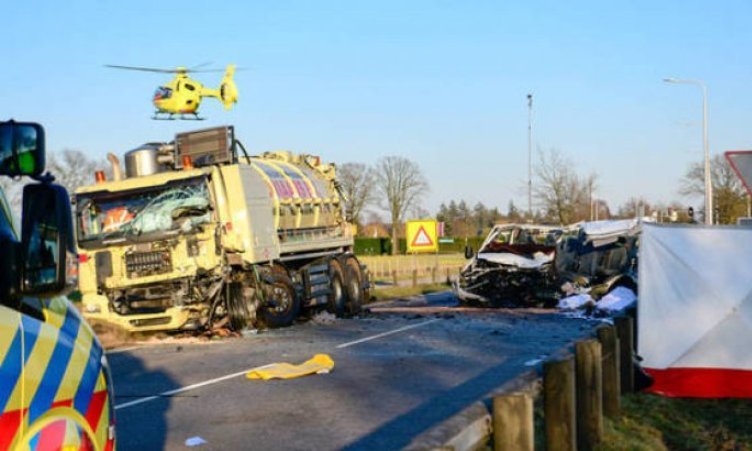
(182, 95)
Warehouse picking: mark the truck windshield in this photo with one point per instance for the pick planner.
(182, 206)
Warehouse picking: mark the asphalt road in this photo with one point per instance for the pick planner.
(397, 373)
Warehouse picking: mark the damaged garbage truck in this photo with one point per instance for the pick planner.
(196, 233)
(534, 266)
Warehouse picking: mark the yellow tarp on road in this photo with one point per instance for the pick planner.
(319, 364)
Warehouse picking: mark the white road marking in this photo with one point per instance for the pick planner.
(119, 350)
(176, 391)
(384, 334)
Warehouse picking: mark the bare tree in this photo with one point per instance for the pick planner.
(356, 180)
(399, 186)
(729, 195)
(73, 169)
(13, 189)
(563, 194)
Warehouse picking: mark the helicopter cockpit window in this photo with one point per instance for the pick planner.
(162, 93)
(190, 87)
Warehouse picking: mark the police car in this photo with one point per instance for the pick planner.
(55, 388)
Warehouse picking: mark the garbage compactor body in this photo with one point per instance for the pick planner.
(243, 242)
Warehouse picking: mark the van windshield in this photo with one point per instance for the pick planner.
(178, 206)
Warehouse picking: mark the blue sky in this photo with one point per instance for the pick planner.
(440, 82)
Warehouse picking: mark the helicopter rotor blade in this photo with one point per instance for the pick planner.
(145, 69)
(197, 66)
(237, 69)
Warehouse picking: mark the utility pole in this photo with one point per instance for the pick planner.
(530, 157)
(709, 211)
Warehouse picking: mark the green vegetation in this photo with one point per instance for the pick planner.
(392, 292)
(383, 246)
(653, 422)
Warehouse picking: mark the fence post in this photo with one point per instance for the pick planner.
(513, 422)
(559, 403)
(394, 277)
(415, 278)
(610, 365)
(433, 275)
(625, 330)
(589, 394)
(448, 274)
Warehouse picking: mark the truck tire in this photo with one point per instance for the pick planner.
(237, 306)
(282, 303)
(337, 301)
(353, 286)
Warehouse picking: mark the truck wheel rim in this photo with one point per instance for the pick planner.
(283, 300)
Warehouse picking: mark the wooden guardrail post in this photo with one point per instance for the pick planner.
(625, 331)
(449, 276)
(559, 403)
(415, 278)
(394, 277)
(610, 366)
(433, 274)
(589, 394)
(513, 422)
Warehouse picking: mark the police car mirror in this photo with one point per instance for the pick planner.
(21, 149)
(47, 249)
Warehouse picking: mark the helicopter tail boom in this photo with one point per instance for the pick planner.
(227, 92)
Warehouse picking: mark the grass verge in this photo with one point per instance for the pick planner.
(384, 293)
(650, 422)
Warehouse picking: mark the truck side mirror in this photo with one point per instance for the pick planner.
(469, 252)
(21, 149)
(47, 251)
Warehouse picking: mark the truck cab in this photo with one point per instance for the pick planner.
(55, 387)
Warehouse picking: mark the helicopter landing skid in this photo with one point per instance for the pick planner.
(172, 117)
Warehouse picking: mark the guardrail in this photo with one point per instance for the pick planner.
(579, 385)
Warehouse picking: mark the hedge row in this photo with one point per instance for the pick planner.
(383, 246)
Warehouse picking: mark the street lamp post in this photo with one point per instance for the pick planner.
(708, 183)
(530, 157)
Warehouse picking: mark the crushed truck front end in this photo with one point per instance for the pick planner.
(149, 251)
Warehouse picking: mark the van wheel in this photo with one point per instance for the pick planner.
(282, 304)
(353, 286)
(337, 300)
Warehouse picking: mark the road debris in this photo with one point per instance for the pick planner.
(620, 298)
(323, 318)
(195, 441)
(576, 301)
(319, 364)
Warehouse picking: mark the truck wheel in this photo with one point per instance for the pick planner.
(353, 286)
(282, 304)
(237, 307)
(337, 301)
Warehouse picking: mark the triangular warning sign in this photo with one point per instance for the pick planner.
(422, 238)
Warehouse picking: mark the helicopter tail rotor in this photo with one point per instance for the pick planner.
(228, 92)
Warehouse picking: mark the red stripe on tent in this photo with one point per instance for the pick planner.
(9, 424)
(701, 382)
(96, 406)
